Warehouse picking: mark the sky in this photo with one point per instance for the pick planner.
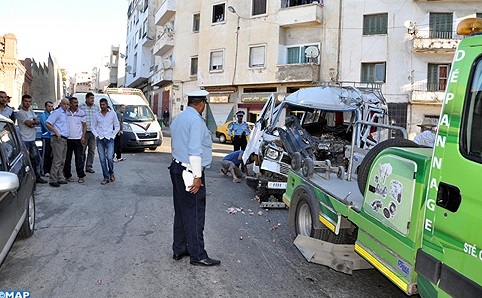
(78, 33)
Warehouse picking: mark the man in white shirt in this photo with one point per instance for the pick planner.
(105, 126)
(426, 137)
(58, 124)
(75, 141)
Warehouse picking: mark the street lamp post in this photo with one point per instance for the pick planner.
(233, 10)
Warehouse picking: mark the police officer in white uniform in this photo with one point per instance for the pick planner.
(192, 153)
(239, 130)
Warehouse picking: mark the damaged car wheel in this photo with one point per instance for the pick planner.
(308, 167)
(296, 161)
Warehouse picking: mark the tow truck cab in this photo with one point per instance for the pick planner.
(414, 214)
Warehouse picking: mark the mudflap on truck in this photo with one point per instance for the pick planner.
(339, 257)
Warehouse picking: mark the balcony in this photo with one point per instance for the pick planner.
(165, 12)
(161, 78)
(438, 42)
(301, 15)
(298, 72)
(164, 43)
(425, 93)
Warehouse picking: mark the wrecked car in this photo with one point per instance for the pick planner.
(312, 130)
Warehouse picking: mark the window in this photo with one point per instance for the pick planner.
(144, 28)
(291, 3)
(440, 25)
(134, 67)
(194, 62)
(373, 72)
(9, 143)
(216, 61)
(478, 15)
(375, 24)
(296, 54)
(471, 141)
(437, 77)
(259, 7)
(256, 56)
(196, 20)
(218, 13)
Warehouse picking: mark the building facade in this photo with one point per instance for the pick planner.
(408, 46)
(12, 72)
(242, 52)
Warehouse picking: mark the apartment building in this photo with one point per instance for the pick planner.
(406, 45)
(140, 38)
(243, 51)
(12, 72)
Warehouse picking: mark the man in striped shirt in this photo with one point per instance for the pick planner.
(89, 109)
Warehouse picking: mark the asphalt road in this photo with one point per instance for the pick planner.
(115, 241)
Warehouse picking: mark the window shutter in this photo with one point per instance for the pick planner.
(380, 72)
(217, 60)
(257, 56)
(293, 55)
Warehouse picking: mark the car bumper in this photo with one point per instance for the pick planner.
(131, 140)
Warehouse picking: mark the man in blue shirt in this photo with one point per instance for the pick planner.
(240, 130)
(46, 136)
(191, 153)
(231, 163)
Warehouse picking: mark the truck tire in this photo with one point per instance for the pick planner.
(308, 167)
(304, 220)
(296, 161)
(304, 226)
(366, 163)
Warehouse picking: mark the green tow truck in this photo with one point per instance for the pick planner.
(413, 213)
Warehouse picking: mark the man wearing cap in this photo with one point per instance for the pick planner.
(240, 129)
(426, 137)
(191, 154)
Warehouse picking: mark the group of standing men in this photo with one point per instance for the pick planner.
(70, 130)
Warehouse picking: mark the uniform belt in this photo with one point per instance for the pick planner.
(185, 164)
(63, 137)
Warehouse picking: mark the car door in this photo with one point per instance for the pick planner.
(9, 214)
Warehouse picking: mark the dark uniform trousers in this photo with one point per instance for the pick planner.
(189, 216)
(239, 142)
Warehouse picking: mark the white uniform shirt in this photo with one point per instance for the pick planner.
(75, 120)
(426, 138)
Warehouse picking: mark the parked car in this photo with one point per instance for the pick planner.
(17, 188)
(222, 132)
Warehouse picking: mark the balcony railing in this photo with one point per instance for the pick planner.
(292, 3)
(164, 43)
(298, 72)
(430, 87)
(165, 12)
(430, 41)
(300, 15)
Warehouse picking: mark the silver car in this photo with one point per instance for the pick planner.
(17, 188)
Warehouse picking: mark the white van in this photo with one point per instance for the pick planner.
(141, 128)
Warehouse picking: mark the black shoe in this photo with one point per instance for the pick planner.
(177, 257)
(206, 262)
(90, 170)
(54, 184)
(41, 181)
(62, 182)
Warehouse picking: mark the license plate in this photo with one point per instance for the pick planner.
(149, 143)
(277, 185)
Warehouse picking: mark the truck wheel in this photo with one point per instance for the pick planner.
(366, 163)
(152, 148)
(296, 161)
(28, 225)
(222, 138)
(308, 167)
(303, 222)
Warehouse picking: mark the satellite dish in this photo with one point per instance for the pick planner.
(408, 24)
(169, 27)
(312, 52)
(128, 68)
(166, 63)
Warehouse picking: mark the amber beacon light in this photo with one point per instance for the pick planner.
(470, 26)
